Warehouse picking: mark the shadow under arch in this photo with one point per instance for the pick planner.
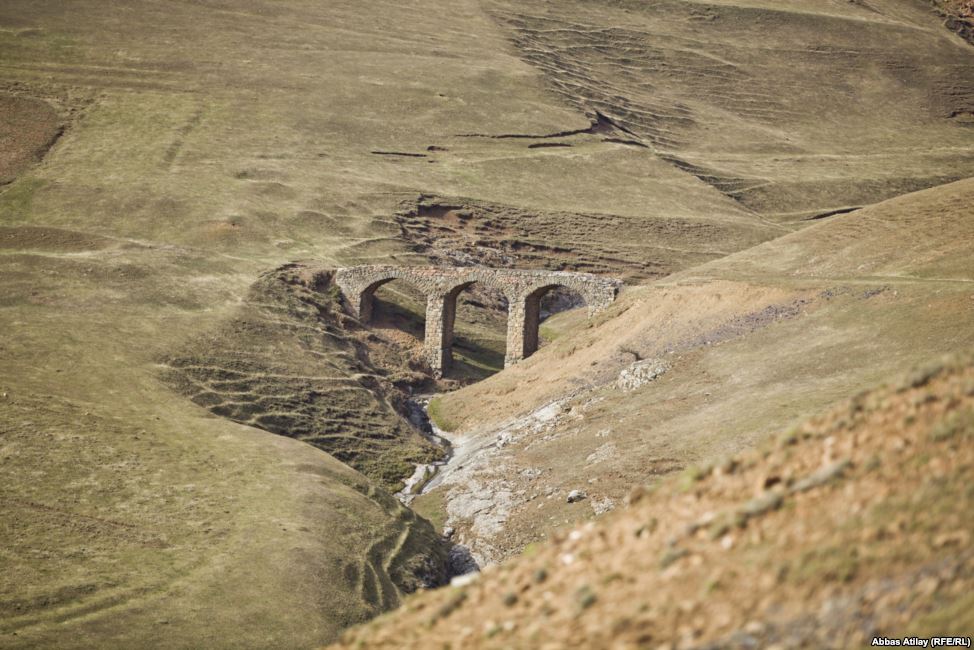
(395, 304)
(524, 330)
(474, 345)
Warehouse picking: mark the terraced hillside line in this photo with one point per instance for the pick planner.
(458, 231)
(392, 565)
(254, 370)
(663, 72)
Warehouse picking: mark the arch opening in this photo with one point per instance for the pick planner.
(557, 304)
(397, 309)
(479, 325)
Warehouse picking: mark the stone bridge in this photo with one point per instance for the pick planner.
(442, 285)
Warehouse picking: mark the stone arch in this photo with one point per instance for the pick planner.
(359, 284)
(441, 312)
(524, 318)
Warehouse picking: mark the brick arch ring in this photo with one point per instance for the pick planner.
(442, 285)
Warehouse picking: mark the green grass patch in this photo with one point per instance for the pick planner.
(827, 564)
(16, 202)
(439, 417)
(954, 425)
(950, 616)
(432, 507)
(548, 333)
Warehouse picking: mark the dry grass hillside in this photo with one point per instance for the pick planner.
(254, 370)
(772, 103)
(167, 165)
(746, 344)
(852, 525)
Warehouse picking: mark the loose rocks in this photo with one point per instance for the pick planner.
(639, 373)
(576, 495)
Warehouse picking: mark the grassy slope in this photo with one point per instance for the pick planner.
(752, 342)
(788, 107)
(130, 520)
(852, 525)
(208, 142)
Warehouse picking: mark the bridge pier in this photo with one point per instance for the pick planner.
(441, 314)
(362, 305)
(523, 323)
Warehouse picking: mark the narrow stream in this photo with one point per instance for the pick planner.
(426, 476)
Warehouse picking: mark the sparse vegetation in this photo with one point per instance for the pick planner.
(889, 546)
(198, 447)
(16, 200)
(440, 416)
(432, 507)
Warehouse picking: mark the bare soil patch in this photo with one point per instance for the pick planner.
(50, 239)
(28, 128)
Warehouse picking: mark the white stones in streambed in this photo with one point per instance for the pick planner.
(464, 579)
(576, 495)
(639, 373)
(422, 478)
(414, 484)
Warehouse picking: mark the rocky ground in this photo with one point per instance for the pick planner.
(959, 17)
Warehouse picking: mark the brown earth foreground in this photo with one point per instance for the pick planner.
(852, 525)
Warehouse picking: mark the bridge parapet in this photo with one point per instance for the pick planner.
(441, 286)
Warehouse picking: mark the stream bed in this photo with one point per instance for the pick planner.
(427, 475)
